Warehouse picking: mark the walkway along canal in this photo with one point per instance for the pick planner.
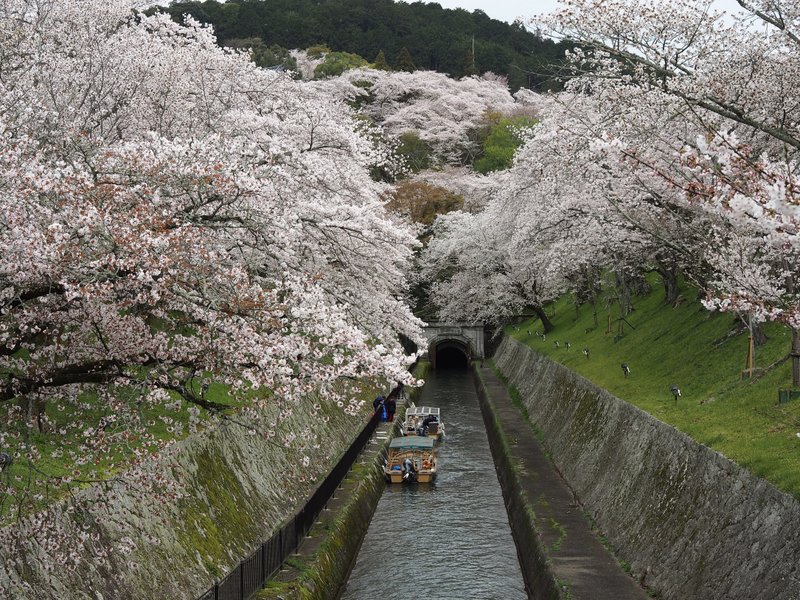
(450, 539)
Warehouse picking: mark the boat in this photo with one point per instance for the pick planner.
(411, 458)
(425, 421)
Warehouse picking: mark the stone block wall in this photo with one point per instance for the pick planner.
(238, 489)
(691, 523)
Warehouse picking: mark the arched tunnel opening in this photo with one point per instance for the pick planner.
(450, 355)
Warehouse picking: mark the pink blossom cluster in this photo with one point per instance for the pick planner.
(171, 215)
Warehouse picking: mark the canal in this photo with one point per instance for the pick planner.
(450, 539)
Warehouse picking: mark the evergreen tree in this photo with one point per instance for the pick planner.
(469, 64)
(404, 62)
(337, 63)
(364, 27)
(381, 63)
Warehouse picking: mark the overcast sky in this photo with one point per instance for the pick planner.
(504, 10)
(508, 10)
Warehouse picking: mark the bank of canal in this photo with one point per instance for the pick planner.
(451, 539)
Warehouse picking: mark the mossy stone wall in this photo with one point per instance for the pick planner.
(238, 489)
(540, 582)
(690, 522)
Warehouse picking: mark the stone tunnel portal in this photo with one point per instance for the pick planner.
(449, 354)
(453, 345)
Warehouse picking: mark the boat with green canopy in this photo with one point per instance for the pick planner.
(411, 458)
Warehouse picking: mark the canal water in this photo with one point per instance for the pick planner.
(449, 540)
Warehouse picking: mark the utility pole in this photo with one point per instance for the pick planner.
(473, 53)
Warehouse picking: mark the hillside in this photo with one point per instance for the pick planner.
(703, 354)
(438, 39)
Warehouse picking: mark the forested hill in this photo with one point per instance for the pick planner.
(438, 39)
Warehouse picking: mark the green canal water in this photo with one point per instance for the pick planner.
(450, 540)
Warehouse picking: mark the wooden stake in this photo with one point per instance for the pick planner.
(751, 351)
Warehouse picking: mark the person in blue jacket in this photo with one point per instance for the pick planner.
(378, 406)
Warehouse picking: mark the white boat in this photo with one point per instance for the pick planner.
(425, 421)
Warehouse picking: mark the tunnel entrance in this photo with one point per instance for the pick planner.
(454, 344)
(450, 354)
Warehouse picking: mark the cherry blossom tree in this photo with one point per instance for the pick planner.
(445, 113)
(736, 155)
(588, 191)
(306, 64)
(171, 214)
(476, 189)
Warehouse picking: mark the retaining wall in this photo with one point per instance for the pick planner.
(690, 522)
(238, 489)
(540, 582)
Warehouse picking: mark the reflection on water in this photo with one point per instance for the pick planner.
(449, 540)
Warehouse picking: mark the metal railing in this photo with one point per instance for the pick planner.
(253, 572)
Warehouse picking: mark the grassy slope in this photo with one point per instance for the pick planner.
(34, 481)
(689, 347)
(38, 477)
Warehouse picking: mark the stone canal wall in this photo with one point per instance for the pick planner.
(690, 522)
(540, 581)
(237, 489)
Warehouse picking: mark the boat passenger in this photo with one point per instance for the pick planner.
(428, 420)
(409, 470)
(423, 430)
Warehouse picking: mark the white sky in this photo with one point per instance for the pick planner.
(508, 10)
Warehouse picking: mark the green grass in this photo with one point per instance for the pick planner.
(53, 466)
(562, 535)
(692, 348)
(58, 468)
(566, 591)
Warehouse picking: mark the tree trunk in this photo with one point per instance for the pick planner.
(759, 337)
(795, 358)
(548, 326)
(624, 294)
(35, 409)
(670, 280)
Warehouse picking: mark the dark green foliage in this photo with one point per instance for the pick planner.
(501, 143)
(381, 63)
(337, 63)
(317, 50)
(266, 57)
(416, 151)
(404, 62)
(436, 38)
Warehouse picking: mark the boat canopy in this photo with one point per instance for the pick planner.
(411, 442)
(412, 411)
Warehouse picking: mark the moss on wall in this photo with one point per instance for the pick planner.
(322, 574)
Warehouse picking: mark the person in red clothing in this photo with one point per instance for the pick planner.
(391, 405)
